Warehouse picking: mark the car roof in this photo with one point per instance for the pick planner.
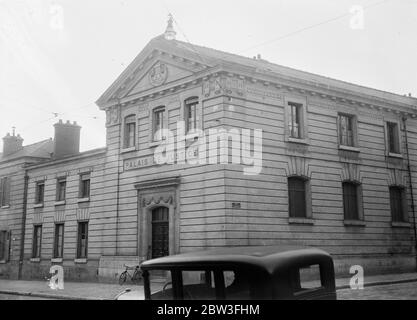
(269, 258)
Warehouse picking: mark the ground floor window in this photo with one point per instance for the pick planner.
(59, 241)
(398, 206)
(82, 243)
(3, 245)
(297, 196)
(37, 241)
(351, 200)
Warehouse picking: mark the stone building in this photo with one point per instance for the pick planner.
(302, 159)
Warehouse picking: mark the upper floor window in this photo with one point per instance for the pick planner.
(347, 130)
(4, 192)
(393, 137)
(84, 186)
(295, 120)
(297, 197)
(61, 187)
(398, 204)
(352, 200)
(130, 132)
(159, 124)
(39, 192)
(191, 114)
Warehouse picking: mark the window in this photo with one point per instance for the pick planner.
(398, 205)
(61, 189)
(306, 279)
(237, 285)
(297, 197)
(198, 285)
(159, 124)
(37, 241)
(351, 200)
(4, 247)
(40, 192)
(82, 240)
(393, 140)
(4, 192)
(84, 186)
(59, 241)
(347, 130)
(295, 120)
(191, 114)
(130, 132)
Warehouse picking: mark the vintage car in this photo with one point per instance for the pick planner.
(241, 273)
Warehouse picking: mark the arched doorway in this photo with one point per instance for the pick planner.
(160, 232)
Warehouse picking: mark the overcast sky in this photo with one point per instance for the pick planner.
(58, 57)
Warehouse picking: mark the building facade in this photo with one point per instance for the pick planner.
(208, 149)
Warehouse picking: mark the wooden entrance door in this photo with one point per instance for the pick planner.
(160, 232)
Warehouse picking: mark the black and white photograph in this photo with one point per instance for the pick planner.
(223, 152)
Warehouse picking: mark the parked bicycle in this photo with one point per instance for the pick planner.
(136, 277)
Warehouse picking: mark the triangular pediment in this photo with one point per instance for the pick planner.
(158, 65)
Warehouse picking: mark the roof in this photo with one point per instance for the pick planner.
(212, 57)
(269, 258)
(42, 149)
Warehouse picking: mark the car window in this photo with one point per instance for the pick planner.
(237, 285)
(306, 278)
(161, 285)
(198, 285)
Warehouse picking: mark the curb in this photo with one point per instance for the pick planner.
(49, 296)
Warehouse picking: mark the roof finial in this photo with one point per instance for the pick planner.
(170, 32)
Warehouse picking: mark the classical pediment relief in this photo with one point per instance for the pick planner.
(153, 72)
(159, 74)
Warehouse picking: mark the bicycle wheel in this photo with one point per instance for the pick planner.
(136, 276)
(122, 278)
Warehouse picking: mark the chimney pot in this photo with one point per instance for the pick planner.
(12, 144)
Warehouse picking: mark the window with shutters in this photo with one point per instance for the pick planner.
(39, 192)
(191, 114)
(347, 130)
(393, 138)
(352, 201)
(159, 124)
(84, 192)
(37, 241)
(398, 204)
(61, 186)
(82, 240)
(59, 241)
(297, 196)
(129, 132)
(295, 120)
(4, 192)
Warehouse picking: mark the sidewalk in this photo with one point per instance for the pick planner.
(100, 291)
(72, 290)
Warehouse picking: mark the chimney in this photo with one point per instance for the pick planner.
(67, 139)
(12, 144)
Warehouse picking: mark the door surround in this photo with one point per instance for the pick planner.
(151, 195)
